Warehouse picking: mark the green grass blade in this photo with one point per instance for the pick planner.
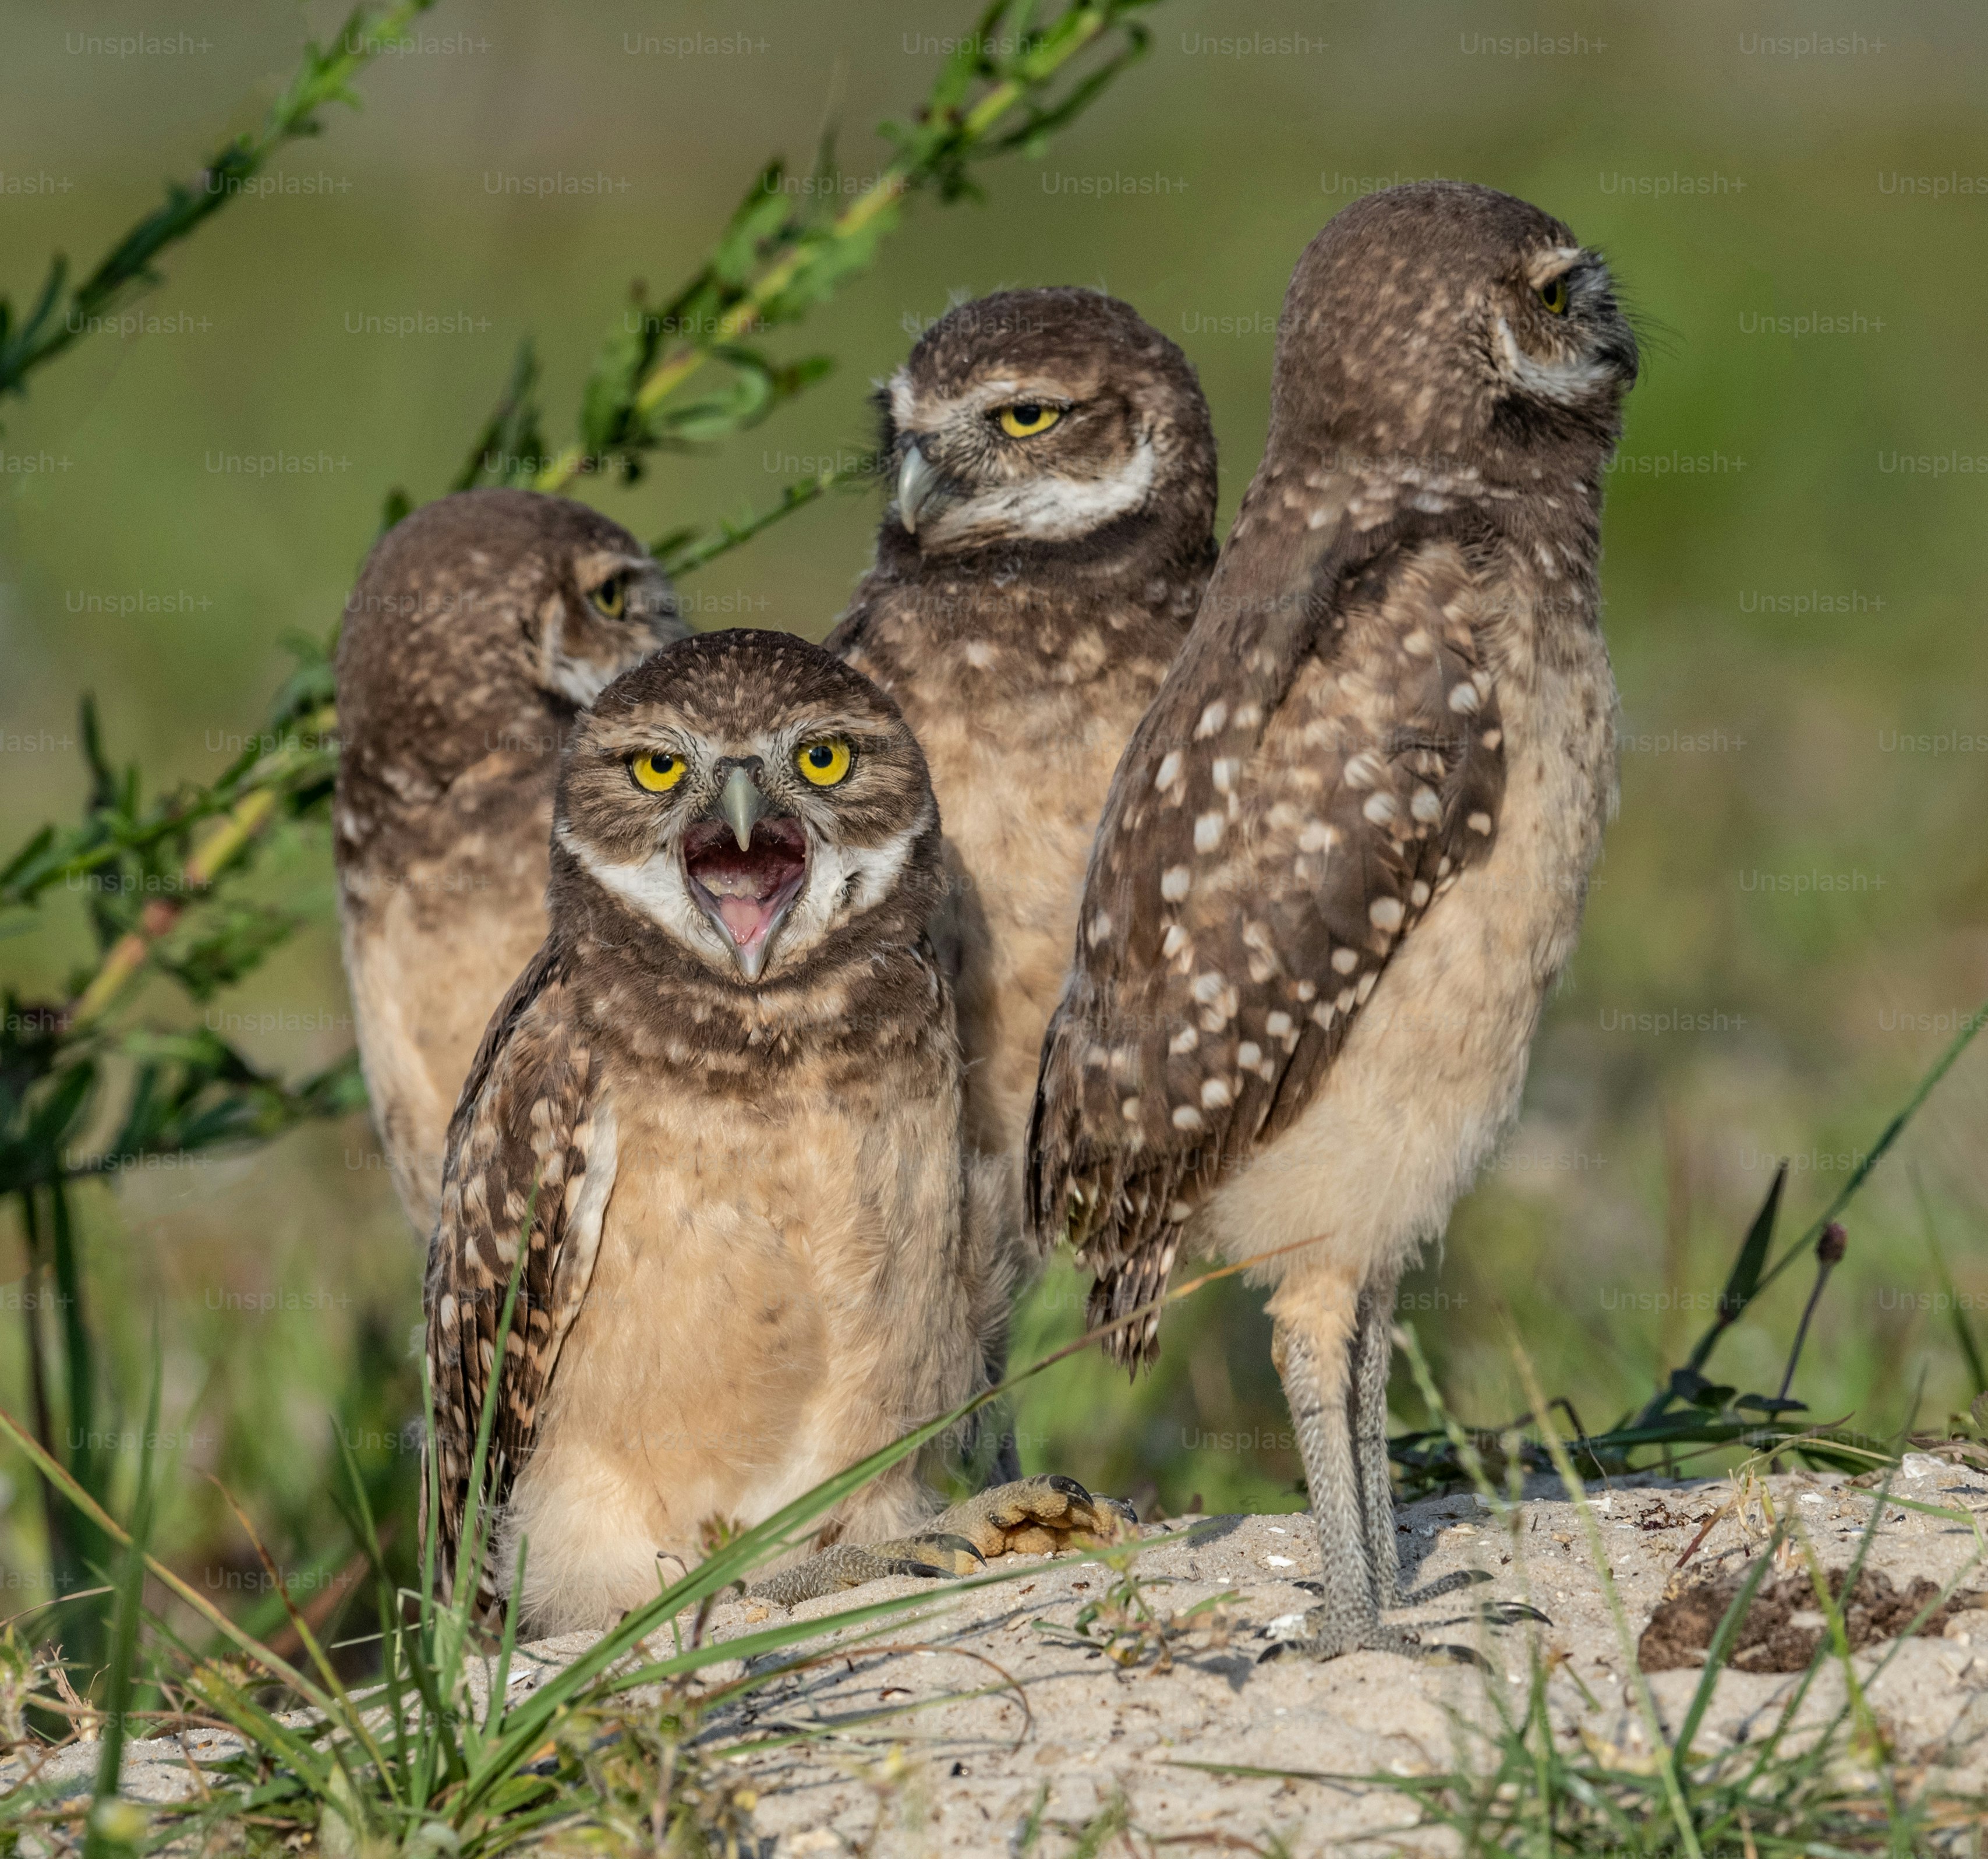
(1963, 1331)
(103, 1838)
(1877, 1152)
(1728, 1628)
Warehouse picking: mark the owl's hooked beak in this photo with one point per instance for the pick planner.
(917, 481)
(743, 806)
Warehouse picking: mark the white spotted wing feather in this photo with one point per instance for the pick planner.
(1323, 763)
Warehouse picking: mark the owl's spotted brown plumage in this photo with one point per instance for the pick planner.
(1051, 534)
(1345, 854)
(480, 624)
(731, 1079)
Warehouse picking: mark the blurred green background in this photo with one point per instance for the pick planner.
(1789, 921)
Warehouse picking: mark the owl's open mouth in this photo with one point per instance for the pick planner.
(746, 893)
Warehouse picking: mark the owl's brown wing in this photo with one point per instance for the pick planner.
(529, 1141)
(1325, 758)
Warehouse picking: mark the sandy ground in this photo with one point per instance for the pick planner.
(965, 1777)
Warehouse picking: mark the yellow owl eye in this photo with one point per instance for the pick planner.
(1027, 417)
(611, 597)
(658, 771)
(1554, 295)
(823, 763)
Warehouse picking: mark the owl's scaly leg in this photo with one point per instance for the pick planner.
(1317, 1379)
(850, 1565)
(1373, 1345)
(1332, 1385)
(1029, 1516)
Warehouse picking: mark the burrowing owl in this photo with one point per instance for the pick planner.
(1051, 534)
(1345, 855)
(731, 1079)
(479, 625)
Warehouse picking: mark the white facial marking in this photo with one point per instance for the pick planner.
(843, 882)
(1049, 509)
(580, 679)
(655, 888)
(1563, 381)
(1550, 263)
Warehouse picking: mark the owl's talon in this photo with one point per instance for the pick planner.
(1510, 1613)
(1038, 1516)
(938, 1554)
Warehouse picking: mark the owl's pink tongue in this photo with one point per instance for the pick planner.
(745, 917)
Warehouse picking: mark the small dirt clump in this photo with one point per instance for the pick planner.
(1771, 1638)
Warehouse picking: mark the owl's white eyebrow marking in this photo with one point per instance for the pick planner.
(1553, 261)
